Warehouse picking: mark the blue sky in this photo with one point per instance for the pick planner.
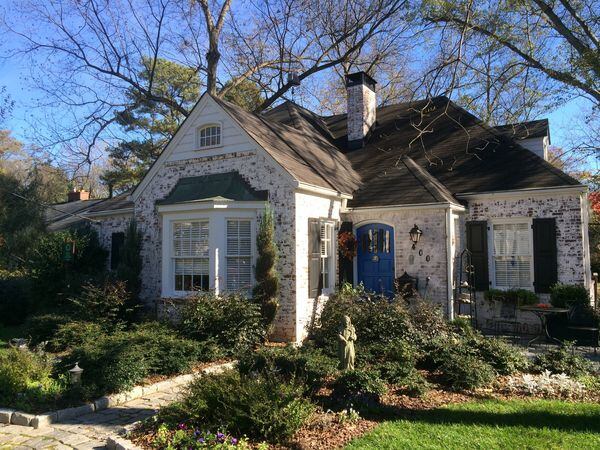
(26, 120)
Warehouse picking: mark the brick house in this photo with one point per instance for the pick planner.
(377, 172)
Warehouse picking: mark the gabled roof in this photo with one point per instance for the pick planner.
(221, 186)
(117, 203)
(525, 130)
(64, 215)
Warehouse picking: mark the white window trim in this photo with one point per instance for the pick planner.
(173, 258)
(217, 241)
(491, 259)
(207, 125)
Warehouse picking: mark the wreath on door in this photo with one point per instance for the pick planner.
(347, 244)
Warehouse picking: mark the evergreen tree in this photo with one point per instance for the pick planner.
(130, 266)
(266, 291)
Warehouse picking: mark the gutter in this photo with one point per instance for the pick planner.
(110, 212)
(574, 188)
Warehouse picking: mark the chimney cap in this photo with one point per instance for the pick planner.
(355, 78)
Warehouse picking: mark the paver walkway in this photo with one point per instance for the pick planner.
(89, 431)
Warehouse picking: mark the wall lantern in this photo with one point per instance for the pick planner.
(415, 235)
(75, 374)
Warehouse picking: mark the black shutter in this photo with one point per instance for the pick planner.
(315, 280)
(346, 266)
(545, 265)
(477, 244)
(117, 241)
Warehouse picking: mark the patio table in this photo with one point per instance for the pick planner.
(543, 314)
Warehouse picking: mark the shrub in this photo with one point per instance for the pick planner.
(263, 408)
(562, 359)
(53, 278)
(310, 366)
(230, 321)
(106, 303)
(395, 360)
(15, 301)
(117, 362)
(360, 387)
(43, 327)
(25, 381)
(461, 369)
(73, 334)
(566, 295)
(376, 319)
(519, 296)
(505, 358)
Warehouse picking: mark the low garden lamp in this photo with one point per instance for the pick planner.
(75, 374)
(415, 235)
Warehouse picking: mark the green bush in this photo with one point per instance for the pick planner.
(376, 320)
(43, 327)
(359, 387)
(118, 361)
(505, 358)
(25, 380)
(520, 296)
(53, 279)
(15, 298)
(460, 369)
(395, 361)
(73, 334)
(310, 366)
(230, 321)
(562, 359)
(105, 303)
(262, 408)
(566, 295)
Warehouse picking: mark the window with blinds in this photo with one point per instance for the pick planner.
(326, 245)
(512, 255)
(209, 136)
(239, 255)
(190, 256)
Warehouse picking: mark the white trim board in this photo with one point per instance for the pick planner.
(378, 209)
(520, 193)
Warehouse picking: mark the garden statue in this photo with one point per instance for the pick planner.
(347, 337)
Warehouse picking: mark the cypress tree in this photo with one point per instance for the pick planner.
(266, 290)
(130, 266)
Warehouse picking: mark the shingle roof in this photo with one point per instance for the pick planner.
(222, 186)
(121, 201)
(64, 215)
(526, 130)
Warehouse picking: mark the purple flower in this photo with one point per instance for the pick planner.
(234, 441)
(220, 437)
(201, 440)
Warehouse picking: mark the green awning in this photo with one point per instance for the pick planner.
(228, 186)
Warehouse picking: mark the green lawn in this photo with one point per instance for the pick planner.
(516, 424)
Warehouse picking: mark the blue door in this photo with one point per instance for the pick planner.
(375, 258)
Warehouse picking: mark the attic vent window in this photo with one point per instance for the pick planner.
(209, 136)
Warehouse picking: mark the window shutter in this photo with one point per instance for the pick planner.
(116, 246)
(315, 283)
(477, 244)
(346, 267)
(545, 264)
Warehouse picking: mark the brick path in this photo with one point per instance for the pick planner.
(89, 431)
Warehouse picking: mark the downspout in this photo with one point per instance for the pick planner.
(449, 264)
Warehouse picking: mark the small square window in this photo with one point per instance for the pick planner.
(209, 136)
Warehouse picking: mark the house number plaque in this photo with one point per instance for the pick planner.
(375, 258)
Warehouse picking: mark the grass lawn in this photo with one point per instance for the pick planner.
(522, 424)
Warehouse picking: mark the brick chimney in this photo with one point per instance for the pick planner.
(75, 195)
(362, 107)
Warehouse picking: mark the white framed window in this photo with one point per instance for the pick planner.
(191, 256)
(238, 258)
(512, 254)
(208, 136)
(327, 244)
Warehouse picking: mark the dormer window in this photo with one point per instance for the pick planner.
(208, 136)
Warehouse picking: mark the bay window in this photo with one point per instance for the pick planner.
(239, 254)
(191, 256)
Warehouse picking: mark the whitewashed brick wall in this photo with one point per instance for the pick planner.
(433, 245)
(106, 226)
(309, 206)
(261, 174)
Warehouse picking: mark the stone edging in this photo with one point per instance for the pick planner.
(43, 420)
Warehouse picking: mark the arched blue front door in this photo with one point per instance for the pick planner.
(375, 258)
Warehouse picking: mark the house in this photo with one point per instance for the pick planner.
(377, 172)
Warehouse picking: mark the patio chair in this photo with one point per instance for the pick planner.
(505, 318)
(583, 326)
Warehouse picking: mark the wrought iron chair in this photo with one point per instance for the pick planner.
(583, 325)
